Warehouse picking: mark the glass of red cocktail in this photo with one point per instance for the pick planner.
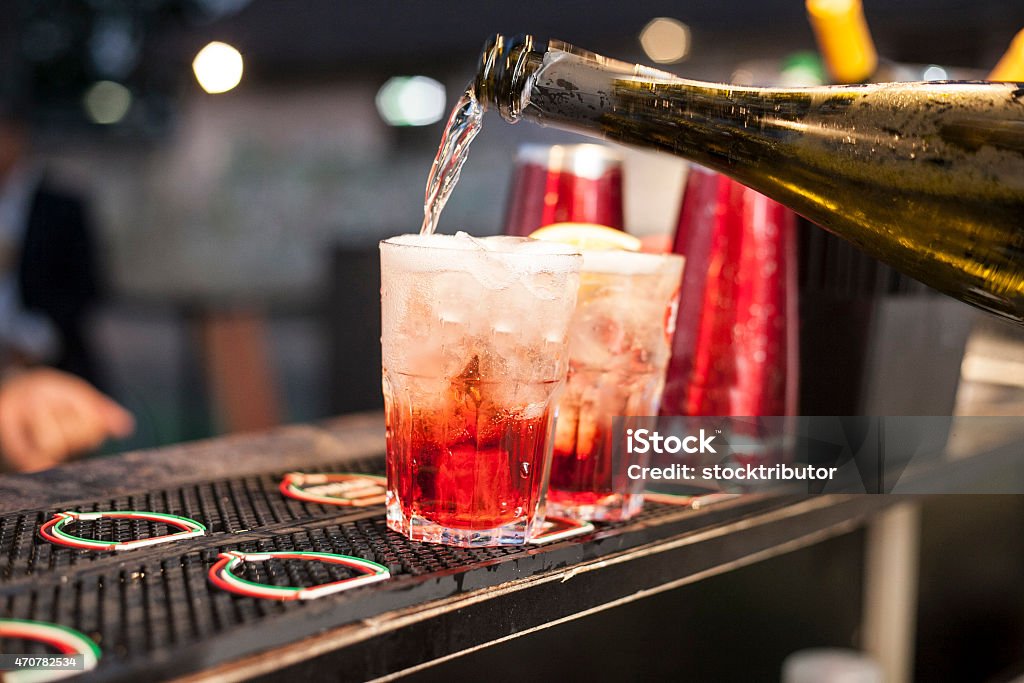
(475, 354)
(618, 352)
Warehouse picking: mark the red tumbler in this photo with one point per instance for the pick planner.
(734, 352)
(564, 183)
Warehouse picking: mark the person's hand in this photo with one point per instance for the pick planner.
(46, 416)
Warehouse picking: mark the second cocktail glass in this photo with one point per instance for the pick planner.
(474, 339)
(618, 351)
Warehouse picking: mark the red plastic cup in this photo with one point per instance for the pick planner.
(564, 184)
(734, 352)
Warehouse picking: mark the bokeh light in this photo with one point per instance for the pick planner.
(411, 101)
(107, 102)
(666, 40)
(218, 67)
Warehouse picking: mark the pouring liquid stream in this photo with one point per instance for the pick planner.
(463, 125)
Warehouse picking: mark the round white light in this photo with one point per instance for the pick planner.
(934, 73)
(411, 101)
(107, 102)
(666, 40)
(218, 67)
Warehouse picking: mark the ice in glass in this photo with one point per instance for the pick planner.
(474, 340)
(618, 351)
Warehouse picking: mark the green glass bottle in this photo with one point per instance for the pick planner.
(928, 177)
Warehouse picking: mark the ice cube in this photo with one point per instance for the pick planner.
(501, 243)
(534, 410)
(565, 426)
(587, 428)
(592, 343)
(550, 286)
(449, 295)
(491, 271)
(477, 242)
(529, 246)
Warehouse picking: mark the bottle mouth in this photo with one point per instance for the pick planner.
(509, 64)
(503, 61)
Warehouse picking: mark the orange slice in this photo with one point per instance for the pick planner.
(588, 236)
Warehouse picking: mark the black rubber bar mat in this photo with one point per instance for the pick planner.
(155, 614)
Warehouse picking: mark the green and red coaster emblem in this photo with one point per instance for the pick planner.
(694, 501)
(223, 575)
(335, 489)
(668, 498)
(55, 530)
(559, 529)
(67, 641)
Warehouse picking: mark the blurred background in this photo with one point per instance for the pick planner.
(233, 228)
(241, 159)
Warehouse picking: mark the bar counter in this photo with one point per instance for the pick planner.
(155, 614)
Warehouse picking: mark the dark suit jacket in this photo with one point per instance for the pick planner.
(57, 273)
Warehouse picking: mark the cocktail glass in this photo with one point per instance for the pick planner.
(475, 354)
(618, 352)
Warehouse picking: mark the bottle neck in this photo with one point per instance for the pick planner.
(506, 64)
(518, 74)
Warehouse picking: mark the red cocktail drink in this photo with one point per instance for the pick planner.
(618, 350)
(465, 469)
(474, 347)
